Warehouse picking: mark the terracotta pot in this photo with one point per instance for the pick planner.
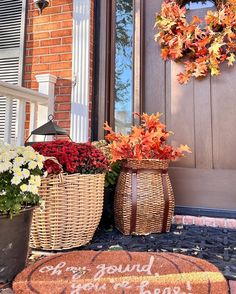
(14, 243)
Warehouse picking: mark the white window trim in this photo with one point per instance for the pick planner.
(80, 70)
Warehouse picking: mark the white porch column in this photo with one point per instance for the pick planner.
(8, 120)
(46, 86)
(80, 91)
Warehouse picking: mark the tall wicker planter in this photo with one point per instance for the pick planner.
(73, 208)
(144, 199)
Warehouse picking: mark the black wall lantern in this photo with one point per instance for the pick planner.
(48, 129)
(41, 4)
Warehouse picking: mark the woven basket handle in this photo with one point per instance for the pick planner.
(60, 175)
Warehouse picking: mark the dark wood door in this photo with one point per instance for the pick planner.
(202, 114)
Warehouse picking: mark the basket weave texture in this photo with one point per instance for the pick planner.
(73, 208)
(144, 199)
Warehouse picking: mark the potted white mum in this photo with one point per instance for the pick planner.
(20, 172)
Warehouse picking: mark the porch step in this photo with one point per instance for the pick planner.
(205, 221)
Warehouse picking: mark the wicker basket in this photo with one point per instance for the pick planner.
(73, 208)
(144, 199)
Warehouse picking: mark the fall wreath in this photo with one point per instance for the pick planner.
(202, 50)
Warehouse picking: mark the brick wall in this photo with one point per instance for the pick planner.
(49, 50)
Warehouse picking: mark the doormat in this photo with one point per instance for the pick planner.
(120, 272)
(216, 245)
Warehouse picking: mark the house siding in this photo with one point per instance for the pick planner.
(49, 50)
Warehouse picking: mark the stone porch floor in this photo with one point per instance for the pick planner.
(178, 220)
(211, 222)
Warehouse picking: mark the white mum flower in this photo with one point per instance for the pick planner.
(5, 166)
(40, 158)
(29, 149)
(19, 173)
(16, 169)
(40, 165)
(32, 180)
(32, 164)
(19, 161)
(12, 154)
(25, 173)
(24, 188)
(37, 181)
(5, 156)
(29, 153)
(16, 180)
(20, 149)
(33, 189)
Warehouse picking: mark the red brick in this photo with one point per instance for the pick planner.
(66, 57)
(178, 219)
(187, 220)
(232, 286)
(61, 65)
(47, 27)
(32, 59)
(66, 40)
(50, 42)
(210, 221)
(65, 124)
(40, 36)
(33, 13)
(32, 85)
(220, 222)
(63, 107)
(41, 19)
(38, 51)
(199, 221)
(28, 76)
(49, 58)
(231, 223)
(61, 49)
(63, 83)
(66, 24)
(27, 124)
(67, 7)
(29, 28)
(58, 2)
(32, 44)
(28, 68)
(63, 99)
(65, 90)
(40, 67)
(65, 74)
(61, 33)
(62, 115)
(52, 10)
(61, 16)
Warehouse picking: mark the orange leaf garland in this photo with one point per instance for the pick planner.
(206, 48)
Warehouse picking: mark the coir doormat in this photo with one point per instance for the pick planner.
(120, 272)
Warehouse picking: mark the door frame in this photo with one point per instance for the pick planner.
(104, 56)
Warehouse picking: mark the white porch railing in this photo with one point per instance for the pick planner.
(41, 105)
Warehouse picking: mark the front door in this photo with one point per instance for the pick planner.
(202, 113)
